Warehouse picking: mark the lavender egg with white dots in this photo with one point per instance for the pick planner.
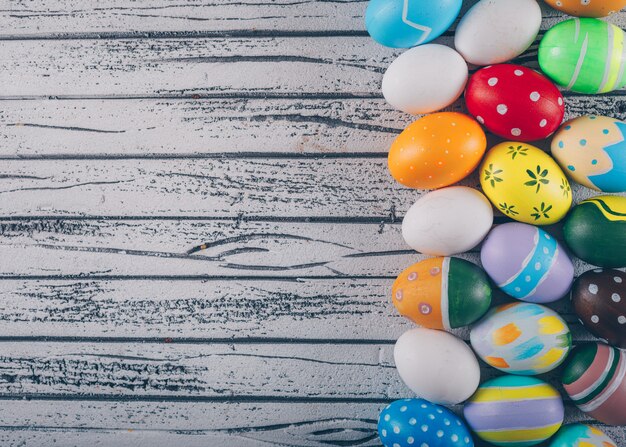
(599, 300)
(420, 423)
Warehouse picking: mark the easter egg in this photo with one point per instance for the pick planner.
(527, 263)
(515, 411)
(515, 102)
(405, 24)
(599, 299)
(581, 435)
(595, 231)
(522, 338)
(436, 365)
(495, 31)
(588, 8)
(442, 293)
(425, 79)
(437, 150)
(447, 221)
(584, 55)
(594, 379)
(525, 183)
(592, 151)
(418, 422)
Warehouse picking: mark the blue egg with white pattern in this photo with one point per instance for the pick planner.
(408, 23)
(592, 151)
(420, 423)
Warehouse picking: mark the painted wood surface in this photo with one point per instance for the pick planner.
(195, 67)
(330, 309)
(131, 132)
(211, 127)
(63, 17)
(221, 187)
(196, 423)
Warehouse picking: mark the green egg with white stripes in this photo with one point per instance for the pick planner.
(584, 55)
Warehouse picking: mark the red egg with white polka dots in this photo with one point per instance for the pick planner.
(515, 102)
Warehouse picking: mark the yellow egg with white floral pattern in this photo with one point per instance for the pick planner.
(525, 183)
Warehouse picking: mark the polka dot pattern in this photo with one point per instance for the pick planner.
(452, 143)
(493, 97)
(598, 297)
(587, 8)
(594, 146)
(412, 422)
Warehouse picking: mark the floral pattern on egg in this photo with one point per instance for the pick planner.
(592, 151)
(525, 183)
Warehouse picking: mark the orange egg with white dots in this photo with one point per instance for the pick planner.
(437, 150)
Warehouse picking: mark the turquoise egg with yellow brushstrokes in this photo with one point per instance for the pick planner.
(522, 338)
(584, 55)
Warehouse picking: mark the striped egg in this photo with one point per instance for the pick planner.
(442, 293)
(522, 338)
(581, 435)
(527, 263)
(584, 55)
(514, 411)
(595, 378)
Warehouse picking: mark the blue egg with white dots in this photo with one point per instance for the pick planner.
(420, 423)
(406, 24)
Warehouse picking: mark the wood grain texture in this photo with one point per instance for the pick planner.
(221, 187)
(235, 248)
(212, 126)
(240, 66)
(221, 371)
(257, 127)
(331, 309)
(67, 17)
(201, 424)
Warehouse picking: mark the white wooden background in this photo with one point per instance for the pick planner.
(132, 131)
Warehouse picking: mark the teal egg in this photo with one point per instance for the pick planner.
(584, 55)
(405, 24)
(581, 435)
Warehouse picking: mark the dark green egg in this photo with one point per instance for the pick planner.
(595, 231)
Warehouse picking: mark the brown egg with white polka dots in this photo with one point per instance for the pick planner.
(515, 102)
(599, 299)
(437, 150)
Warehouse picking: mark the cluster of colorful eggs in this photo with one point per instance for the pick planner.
(522, 338)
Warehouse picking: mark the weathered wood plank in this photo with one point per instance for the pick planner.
(207, 187)
(235, 248)
(304, 309)
(238, 66)
(146, 127)
(54, 17)
(163, 424)
(207, 370)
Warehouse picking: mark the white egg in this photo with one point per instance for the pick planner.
(447, 221)
(437, 366)
(495, 31)
(425, 79)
